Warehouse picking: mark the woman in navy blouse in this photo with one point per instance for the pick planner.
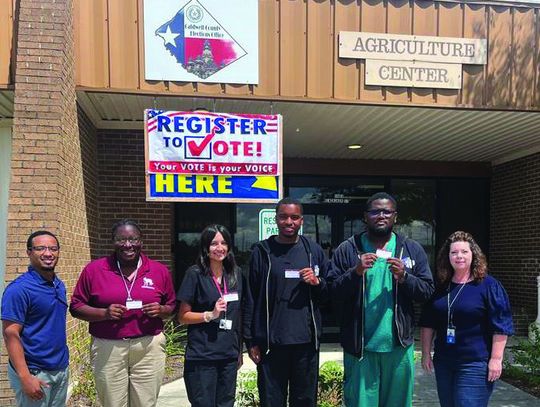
(470, 317)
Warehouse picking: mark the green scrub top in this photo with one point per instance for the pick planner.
(379, 301)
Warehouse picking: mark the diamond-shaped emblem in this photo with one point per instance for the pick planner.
(198, 41)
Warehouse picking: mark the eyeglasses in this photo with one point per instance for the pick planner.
(294, 218)
(131, 240)
(386, 213)
(42, 249)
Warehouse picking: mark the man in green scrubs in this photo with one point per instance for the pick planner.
(375, 277)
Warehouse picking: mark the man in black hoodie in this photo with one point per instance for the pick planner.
(375, 276)
(282, 321)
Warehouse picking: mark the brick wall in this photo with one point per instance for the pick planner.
(515, 233)
(47, 188)
(122, 194)
(89, 154)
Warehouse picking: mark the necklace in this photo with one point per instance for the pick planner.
(462, 280)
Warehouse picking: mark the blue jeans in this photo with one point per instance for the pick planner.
(54, 395)
(462, 384)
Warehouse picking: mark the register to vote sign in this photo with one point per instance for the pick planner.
(213, 156)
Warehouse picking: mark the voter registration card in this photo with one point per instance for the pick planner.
(225, 324)
(230, 297)
(292, 273)
(383, 254)
(134, 304)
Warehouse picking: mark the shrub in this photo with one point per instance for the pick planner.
(84, 389)
(330, 393)
(527, 353)
(175, 338)
(247, 394)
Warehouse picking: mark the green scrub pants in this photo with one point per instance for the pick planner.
(379, 379)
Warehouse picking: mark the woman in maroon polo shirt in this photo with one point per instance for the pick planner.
(125, 297)
(210, 304)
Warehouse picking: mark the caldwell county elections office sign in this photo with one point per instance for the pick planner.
(201, 41)
(217, 157)
(430, 62)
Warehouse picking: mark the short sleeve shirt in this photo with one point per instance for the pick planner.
(207, 341)
(480, 310)
(40, 306)
(101, 284)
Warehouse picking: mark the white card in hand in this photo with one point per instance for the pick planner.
(383, 254)
(292, 273)
(230, 297)
(137, 304)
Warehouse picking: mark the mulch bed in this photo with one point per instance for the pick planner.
(174, 369)
(521, 382)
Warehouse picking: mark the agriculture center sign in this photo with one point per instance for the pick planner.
(412, 60)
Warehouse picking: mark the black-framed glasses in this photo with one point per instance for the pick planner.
(42, 249)
(373, 213)
(131, 240)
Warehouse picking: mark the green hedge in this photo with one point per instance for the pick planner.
(330, 392)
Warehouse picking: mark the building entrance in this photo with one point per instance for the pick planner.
(329, 224)
(428, 211)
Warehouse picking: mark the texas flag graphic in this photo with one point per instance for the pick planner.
(198, 41)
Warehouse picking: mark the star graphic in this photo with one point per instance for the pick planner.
(169, 36)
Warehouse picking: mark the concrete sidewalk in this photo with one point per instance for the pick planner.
(505, 395)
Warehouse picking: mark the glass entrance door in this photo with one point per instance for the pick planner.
(333, 211)
(329, 225)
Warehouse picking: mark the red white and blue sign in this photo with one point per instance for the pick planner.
(201, 40)
(218, 188)
(212, 143)
(203, 155)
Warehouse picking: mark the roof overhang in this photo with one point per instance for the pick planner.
(324, 130)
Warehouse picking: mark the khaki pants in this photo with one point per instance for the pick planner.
(128, 372)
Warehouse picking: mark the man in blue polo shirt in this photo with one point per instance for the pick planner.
(36, 301)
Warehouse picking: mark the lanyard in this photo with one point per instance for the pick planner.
(450, 304)
(128, 290)
(218, 287)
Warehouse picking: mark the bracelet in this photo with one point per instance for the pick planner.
(206, 317)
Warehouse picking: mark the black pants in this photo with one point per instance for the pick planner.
(211, 383)
(292, 366)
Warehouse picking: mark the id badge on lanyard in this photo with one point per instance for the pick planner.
(451, 334)
(450, 328)
(130, 302)
(224, 323)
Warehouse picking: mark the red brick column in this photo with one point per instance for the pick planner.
(47, 188)
(515, 234)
